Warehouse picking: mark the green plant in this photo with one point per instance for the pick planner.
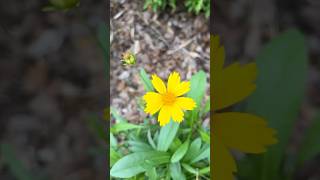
(197, 6)
(61, 5)
(174, 151)
(194, 6)
(16, 166)
(282, 66)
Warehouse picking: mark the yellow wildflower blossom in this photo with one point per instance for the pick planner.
(233, 130)
(128, 58)
(167, 100)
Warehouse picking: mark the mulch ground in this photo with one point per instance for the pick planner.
(163, 42)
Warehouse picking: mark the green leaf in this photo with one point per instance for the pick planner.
(167, 135)
(172, 3)
(204, 153)
(189, 168)
(150, 140)
(114, 156)
(136, 146)
(146, 80)
(193, 150)
(123, 126)
(152, 174)
(65, 4)
(280, 89)
(175, 144)
(311, 143)
(198, 87)
(104, 43)
(139, 162)
(205, 170)
(16, 167)
(199, 6)
(180, 152)
(204, 136)
(206, 108)
(113, 141)
(175, 172)
(197, 91)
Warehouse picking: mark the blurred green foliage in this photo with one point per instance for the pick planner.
(282, 75)
(16, 166)
(61, 5)
(194, 6)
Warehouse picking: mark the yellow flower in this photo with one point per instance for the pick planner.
(233, 130)
(167, 101)
(128, 58)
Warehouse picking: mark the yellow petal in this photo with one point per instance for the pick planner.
(173, 82)
(154, 102)
(176, 113)
(164, 115)
(233, 84)
(158, 84)
(243, 132)
(185, 103)
(223, 165)
(182, 88)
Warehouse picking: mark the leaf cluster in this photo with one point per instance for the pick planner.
(194, 6)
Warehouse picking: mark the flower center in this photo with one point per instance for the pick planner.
(168, 98)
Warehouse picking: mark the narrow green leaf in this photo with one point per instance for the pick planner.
(205, 170)
(152, 174)
(150, 140)
(114, 156)
(103, 39)
(175, 172)
(198, 87)
(175, 144)
(180, 152)
(206, 108)
(204, 153)
(189, 168)
(123, 126)
(139, 162)
(167, 135)
(113, 141)
(280, 89)
(137, 146)
(65, 4)
(204, 136)
(193, 150)
(146, 80)
(311, 144)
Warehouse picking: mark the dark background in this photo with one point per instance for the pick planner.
(52, 89)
